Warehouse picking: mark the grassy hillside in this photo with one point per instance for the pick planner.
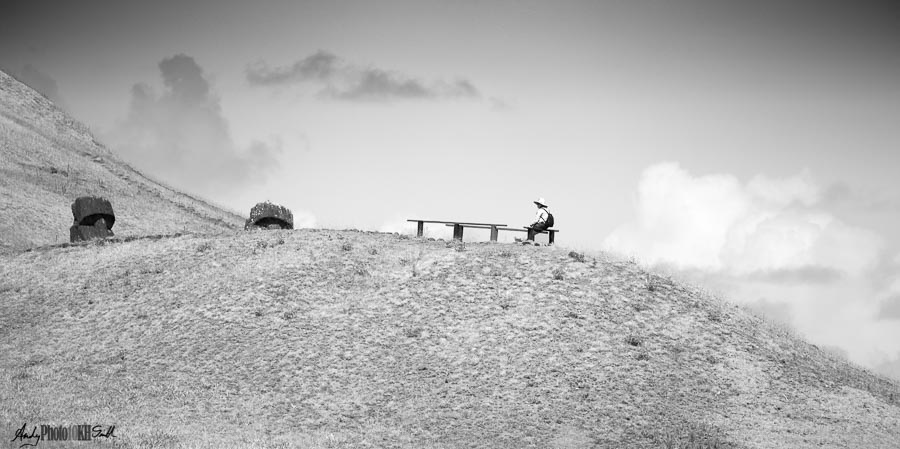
(316, 338)
(47, 159)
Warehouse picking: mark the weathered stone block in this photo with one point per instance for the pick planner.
(268, 216)
(81, 233)
(87, 210)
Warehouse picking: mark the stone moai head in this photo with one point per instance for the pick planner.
(94, 218)
(269, 216)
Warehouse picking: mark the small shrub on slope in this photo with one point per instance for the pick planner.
(634, 340)
(559, 274)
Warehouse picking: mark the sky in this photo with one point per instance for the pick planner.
(750, 147)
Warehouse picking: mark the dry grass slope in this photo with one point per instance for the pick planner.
(47, 159)
(316, 338)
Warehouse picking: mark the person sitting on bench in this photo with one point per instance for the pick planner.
(541, 220)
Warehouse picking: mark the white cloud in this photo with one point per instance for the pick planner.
(800, 189)
(681, 220)
(715, 223)
(304, 219)
(773, 245)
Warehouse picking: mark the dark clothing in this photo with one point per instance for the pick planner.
(540, 227)
(537, 228)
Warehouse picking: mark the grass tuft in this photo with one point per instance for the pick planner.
(640, 306)
(578, 257)
(634, 340)
(559, 273)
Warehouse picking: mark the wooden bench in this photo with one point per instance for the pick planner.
(531, 233)
(495, 230)
(458, 227)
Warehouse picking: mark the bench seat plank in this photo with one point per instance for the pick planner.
(457, 227)
(457, 222)
(551, 232)
(526, 229)
(494, 230)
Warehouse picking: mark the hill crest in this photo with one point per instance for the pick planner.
(343, 338)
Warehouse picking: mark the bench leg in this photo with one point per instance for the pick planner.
(457, 232)
(421, 229)
(552, 233)
(494, 233)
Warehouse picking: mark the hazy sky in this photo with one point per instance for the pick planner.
(752, 146)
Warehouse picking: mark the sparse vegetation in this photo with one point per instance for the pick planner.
(417, 260)
(362, 270)
(634, 340)
(457, 245)
(640, 306)
(578, 257)
(345, 347)
(693, 435)
(650, 283)
(559, 273)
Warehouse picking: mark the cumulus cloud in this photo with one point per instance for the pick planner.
(766, 227)
(774, 246)
(344, 81)
(304, 219)
(41, 82)
(181, 136)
